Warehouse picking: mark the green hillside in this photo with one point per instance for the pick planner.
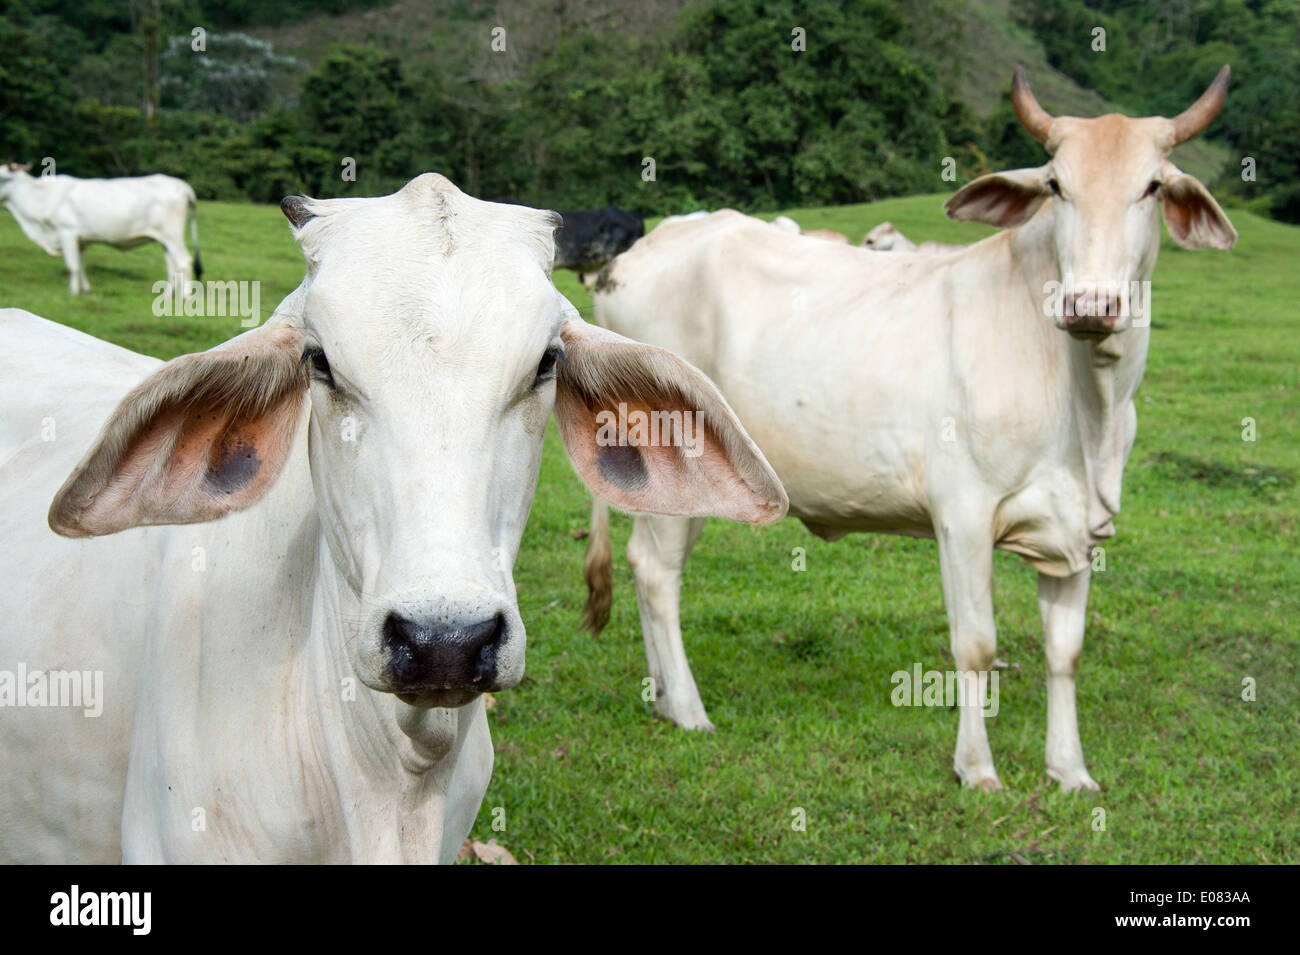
(978, 49)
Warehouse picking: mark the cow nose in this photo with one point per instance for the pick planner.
(1097, 306)
(442, 654)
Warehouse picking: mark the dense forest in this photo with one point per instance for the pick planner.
(569, 106)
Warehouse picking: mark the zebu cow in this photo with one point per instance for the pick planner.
(293, 671)
(63, 215)
(932, 395)
(886, 238)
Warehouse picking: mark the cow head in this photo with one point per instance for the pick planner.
(9, 173)
(1105, 182)
(426, 347)
(885, 238)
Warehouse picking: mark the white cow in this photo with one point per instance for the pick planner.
(292, 669)
(886, 238)
(63, 215)
(932, 395)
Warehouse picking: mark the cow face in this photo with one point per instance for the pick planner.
(426, 348)
(884, 238)
(9, 172)
(1105, 185)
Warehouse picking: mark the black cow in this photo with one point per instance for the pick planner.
(591, 237)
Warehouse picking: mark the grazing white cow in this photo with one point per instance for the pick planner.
(292, 669)
(886, 238)
(933, 396)
(63, 215)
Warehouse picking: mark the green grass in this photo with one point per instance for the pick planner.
(1199, 592)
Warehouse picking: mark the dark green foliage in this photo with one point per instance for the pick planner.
(729, 113)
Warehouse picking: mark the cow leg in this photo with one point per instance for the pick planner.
(72, 259)
(966, 561)
(178, 262)
(1063, 603)
(657, 552)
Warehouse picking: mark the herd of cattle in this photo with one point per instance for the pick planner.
(337, 497)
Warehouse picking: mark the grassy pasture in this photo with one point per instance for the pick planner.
(1199, 592)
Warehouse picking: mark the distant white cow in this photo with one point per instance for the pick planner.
(886, 238)
(63, 215)
(292, 670)
(934, 396)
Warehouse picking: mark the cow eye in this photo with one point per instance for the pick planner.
(546, 367)
(320, 366)
(1055, 187)
(1154, 187)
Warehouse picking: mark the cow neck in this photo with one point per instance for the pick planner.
(1103, 376)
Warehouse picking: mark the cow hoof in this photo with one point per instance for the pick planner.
(1074, 781)
(698, 722)
(987, 782)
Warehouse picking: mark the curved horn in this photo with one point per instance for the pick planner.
(1033, 117)
(1196, 117)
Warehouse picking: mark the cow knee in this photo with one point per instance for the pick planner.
(1063, 657)
(975, 651)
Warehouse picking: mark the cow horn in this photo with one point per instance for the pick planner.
(1033, 117)
(1196, 117)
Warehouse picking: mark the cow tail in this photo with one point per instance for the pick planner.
(194, 237)
(597, 568)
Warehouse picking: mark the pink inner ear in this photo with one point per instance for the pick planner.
(236, 455)
(1177, 218)
(195, 463)
(996, 199)
(662, 479)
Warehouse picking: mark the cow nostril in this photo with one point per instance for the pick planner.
(441, 653)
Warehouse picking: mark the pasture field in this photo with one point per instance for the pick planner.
(1199, 593)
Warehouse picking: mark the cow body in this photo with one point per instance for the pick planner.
(308, 585)
(931, 394)
(870, 457)
(64, 214)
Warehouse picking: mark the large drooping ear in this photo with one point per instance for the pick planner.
(1192, 216)
(1003, 199)
(204, 435)
(646, 431)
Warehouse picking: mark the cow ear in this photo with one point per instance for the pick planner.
(1003, 199)
(646, 431)
(1191, 214)
(204, 435)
